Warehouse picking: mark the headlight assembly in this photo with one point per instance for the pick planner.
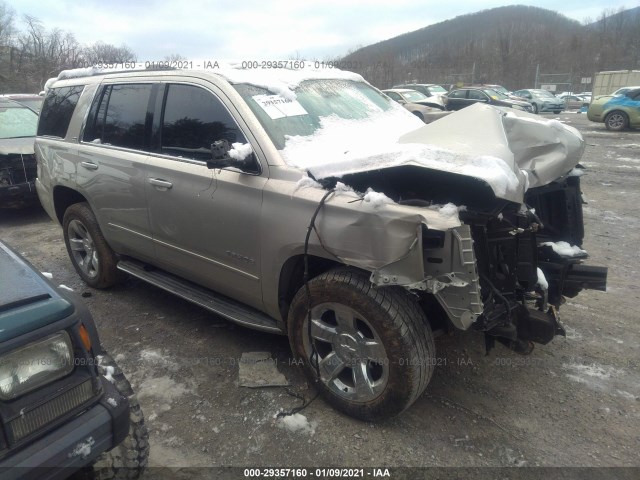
(31, 366)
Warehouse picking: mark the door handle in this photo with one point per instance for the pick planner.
(156, 182)
(89, 165)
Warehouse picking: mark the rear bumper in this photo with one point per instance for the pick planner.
(73, 445)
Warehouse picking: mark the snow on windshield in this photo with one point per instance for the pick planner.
(342, 146)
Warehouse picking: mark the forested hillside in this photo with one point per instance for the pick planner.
(504, 45)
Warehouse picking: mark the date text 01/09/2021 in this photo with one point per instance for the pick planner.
(296, 473)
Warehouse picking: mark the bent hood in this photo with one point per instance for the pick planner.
(509, 150)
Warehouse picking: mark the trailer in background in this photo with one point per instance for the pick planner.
(605, 83)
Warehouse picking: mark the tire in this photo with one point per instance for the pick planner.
(616, 121)
(535, 107)
(128, 460)
(557, 111)
(353, 321)
(89, 252)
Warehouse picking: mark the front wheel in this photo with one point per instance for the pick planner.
(535, 107)
(373, 347)
(88, 250)
(128, 460)
(616, 121)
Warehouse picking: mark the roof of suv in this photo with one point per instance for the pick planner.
(278, 80)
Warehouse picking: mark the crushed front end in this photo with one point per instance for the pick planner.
(528, 259)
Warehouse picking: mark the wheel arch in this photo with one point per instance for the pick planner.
(63, 198)
(291, 278)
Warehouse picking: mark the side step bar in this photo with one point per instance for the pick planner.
(216, 303)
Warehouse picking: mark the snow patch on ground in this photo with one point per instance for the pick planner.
(577, 172)
(112, 402)
(162, 388)
(47, 275)
(297, 423)
(64, 287)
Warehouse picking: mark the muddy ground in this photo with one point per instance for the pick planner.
(574, 402)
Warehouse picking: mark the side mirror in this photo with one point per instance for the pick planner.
(221, 158)
(220, 155)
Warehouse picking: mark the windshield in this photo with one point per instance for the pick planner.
(543, 93)
(17, 122)
(495, 94)
(315, 100)
(413, 96)
(437, 89)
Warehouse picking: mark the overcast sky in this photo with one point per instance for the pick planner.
(250, 29)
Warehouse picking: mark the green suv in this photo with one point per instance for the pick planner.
(65, 406)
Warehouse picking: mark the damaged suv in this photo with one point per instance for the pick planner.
(307, 203)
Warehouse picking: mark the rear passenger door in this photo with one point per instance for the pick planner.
(457, 100)
(111, 165)
(205, 223)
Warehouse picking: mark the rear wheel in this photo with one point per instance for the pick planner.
(616, 121)
(373, 347)
(535, 107)
(89, 252)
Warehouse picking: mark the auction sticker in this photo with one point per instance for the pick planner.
(278, 107)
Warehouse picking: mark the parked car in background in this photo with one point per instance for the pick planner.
(574, 102)
(31, 100)
(463, 97)
(17, 161)
(623, 90)
(432, 91)
(64, 403)
(618, 112)
(417, 103)
(541, 100)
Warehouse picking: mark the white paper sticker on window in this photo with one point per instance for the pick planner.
(278, 107)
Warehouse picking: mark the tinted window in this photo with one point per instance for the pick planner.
(57, 111)
(457, 94)
(118, 116)
(477, 95)
(194, 119)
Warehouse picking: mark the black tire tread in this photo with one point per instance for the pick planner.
(128, 460)
(405, 317)
(109, 274)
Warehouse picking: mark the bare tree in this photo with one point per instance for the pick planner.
(101, 52)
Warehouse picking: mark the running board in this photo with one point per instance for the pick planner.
(216, 303)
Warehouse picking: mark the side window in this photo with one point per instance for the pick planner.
(457, 94)
(57, 110)
(394, 96)
(193, 119)
(476, 95)
(119, 116)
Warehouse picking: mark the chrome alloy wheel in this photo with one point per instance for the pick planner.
(83, 249)
(351, 358)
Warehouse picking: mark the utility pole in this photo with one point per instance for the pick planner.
(535, 84)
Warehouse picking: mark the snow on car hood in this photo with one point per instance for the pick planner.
(509, 150)
(17, 146)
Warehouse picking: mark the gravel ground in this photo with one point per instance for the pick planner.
(574, 402)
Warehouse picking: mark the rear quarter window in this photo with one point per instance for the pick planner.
(57, 110)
